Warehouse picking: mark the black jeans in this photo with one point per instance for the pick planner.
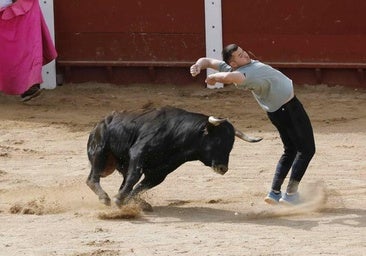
(296, 132)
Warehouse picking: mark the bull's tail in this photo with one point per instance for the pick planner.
(98, 138)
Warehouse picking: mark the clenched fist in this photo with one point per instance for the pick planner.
(195, 69)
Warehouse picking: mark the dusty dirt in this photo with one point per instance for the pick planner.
(47, 209)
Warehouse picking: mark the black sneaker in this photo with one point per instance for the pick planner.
(31, 93)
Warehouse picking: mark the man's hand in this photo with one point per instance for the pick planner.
(195, 69)
(210, 80)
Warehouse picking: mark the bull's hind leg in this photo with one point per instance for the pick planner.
(101, 159)
(94, 184)
(101, 167)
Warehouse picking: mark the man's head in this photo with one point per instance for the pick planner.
(235, 56)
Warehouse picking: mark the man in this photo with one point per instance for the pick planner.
(275, 94)
(26, 45)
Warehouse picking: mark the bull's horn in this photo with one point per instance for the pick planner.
(245, 137)
(216, 121)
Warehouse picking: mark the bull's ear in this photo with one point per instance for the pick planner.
(205, 131)
(208, 128)
(212, 122)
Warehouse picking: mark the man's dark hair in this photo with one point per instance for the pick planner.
(228, 51)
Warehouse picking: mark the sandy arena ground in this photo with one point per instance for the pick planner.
(47, 209)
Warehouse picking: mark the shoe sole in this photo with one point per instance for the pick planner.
(287, 203)
(270, 201)
(34, 95)
(284, 202)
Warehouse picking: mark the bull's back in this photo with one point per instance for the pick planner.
(159, 128)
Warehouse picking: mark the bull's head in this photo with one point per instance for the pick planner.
(219, 143)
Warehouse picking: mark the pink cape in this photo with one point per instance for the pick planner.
(25, 46)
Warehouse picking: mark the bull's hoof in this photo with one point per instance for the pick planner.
(118, 202)
(142, 204)
(106, 201)
(145, 206)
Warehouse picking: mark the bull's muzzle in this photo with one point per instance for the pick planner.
(220, 169)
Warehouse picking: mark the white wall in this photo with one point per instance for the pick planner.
(213, 23)
(49, 70)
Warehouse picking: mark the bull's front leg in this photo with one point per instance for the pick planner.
(93, 183)
(150, 181)
(133, 176)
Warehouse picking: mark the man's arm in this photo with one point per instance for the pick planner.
(204, 63)
(234, 77)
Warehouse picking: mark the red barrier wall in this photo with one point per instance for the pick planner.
(129, 30)
(156, 41)
(312, 41)
(299, 31)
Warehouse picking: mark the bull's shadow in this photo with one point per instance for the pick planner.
(176, 214)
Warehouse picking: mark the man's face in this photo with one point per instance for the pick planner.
(239, 58)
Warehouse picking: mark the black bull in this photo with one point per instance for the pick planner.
(155, 143)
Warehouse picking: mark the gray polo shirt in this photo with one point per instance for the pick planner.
(269, 86)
